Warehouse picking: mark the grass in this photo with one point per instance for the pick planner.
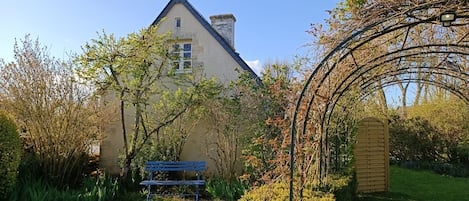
(419, 185)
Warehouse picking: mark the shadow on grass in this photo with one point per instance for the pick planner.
(387, 196)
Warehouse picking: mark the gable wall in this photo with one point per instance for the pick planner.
(208, 56)
(207, 52)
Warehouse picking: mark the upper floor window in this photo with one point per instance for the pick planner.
(178, 22)
(181, 59)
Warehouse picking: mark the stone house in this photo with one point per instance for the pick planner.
(210, 45)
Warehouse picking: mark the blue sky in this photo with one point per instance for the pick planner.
(264, 31)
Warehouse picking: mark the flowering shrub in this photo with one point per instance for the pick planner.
(338, 188)
(279, 191)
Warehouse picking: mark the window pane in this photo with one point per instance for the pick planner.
(187, 64)
(178, 22)
(187, 55)
(187, 47)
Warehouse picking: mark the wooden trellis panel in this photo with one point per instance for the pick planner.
(372, 156)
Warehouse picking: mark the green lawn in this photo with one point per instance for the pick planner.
(416, 185)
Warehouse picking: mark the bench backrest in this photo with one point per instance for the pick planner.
(175, 166)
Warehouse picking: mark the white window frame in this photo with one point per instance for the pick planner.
(182, 61)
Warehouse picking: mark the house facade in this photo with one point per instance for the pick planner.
(201, 45)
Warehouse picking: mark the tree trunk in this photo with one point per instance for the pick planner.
(383, 101)
(403, 89)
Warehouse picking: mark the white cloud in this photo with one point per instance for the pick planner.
(255, 66)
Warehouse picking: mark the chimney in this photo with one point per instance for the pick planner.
(224, 25)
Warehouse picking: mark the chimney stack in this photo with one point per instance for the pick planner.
(224, 25)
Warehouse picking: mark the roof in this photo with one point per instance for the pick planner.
(210, 30)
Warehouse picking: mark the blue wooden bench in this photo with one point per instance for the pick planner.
(155, 167)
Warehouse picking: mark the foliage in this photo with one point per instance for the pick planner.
(36, 190)
(434, 137)
(278, 191)
(219, 188)
(338, 188)
(133, 71)
(449, 118)
(40, 190)
(172, 138)
(414, 140)
(368, 49)
(265, 148)
(56, 114)
(455, 170)
(10, 152)
(228, 122)
(128, 67)
(362, 45)
(343, 187)
(132, 196)
(342, 131)
(168, 142)
(29, 167)
(102, 188)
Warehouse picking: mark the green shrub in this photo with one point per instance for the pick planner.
(455, 170)
(279, 191)
(340, 188)
(219, 188)
(39, 190)
(94, 189)
(414, 139)
(102, 188)
(344, 188)
(419, 143)
(132, 196)
(10, 153)
(459, 151)
(448, 116)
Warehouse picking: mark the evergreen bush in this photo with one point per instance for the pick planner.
(10, 155)
(415, 139)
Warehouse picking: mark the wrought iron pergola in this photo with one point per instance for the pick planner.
(417, 41)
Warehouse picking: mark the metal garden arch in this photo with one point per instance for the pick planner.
(384, 40)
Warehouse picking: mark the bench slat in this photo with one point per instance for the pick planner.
(172, 182)
(175, 166)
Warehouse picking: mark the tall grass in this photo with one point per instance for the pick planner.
(93, 189)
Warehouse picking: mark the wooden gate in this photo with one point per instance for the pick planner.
(372, 156)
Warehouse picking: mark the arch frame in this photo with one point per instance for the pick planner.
(406, 19)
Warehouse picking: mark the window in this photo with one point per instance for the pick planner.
(178, 22)
(181, 59)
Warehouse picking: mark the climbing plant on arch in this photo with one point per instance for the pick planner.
(373, 44)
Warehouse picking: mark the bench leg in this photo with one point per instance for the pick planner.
(149, 193)
(197, 192)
